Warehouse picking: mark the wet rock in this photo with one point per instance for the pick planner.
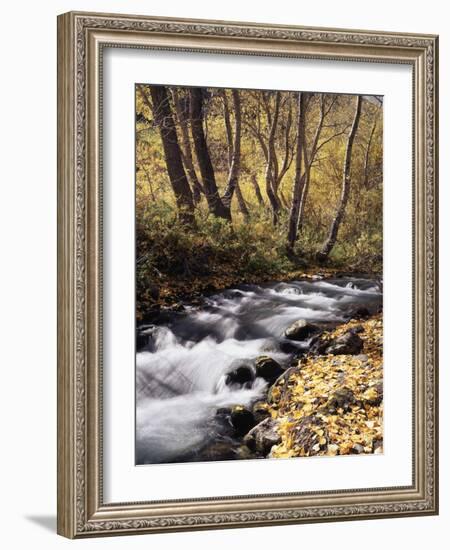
(242, 420)
(141, 341)
(260, 411)
(282, 379)
(144, 336)
(273, 395)
(263, 437)
(242, 375)
(310, 436)
(268, 368)
(300, 330)
(360, 313)
(341, 399)
(178, 307)
(317, 346)
(244, 453)
(276, 392)
(220, 450)
(287, 346)
(377, 446)
(357, 330)
(347, 344)
(223, 412)
(357, 449)
(221, 422)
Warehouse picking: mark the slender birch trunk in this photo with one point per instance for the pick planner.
(197, 188)
(299, 179)
(257, 190)
(334, 228)
(270, 168)
(234, 148)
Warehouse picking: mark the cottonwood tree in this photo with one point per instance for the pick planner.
(306, 153)
(270, 123)
(270, 159)
(162, 112)
(215, 203)
(257, 190)
(182, 113)
(299, 179)
(234, 151)
(345, 190)
(326, 104)
(368, 174)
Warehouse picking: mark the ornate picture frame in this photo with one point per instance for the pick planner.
(82, 38)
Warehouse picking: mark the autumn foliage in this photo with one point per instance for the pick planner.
(338, 397)
(235, 185)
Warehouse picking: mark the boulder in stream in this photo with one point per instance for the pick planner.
(360, 313)
(144, 336)
(300, 330)
(290, 347)
(261, 411)
(242, 420)
(242, 375)
(223, 412)
(263, 437)
(268, 368)
(218, 450)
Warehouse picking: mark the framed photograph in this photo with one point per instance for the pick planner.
(247, 287)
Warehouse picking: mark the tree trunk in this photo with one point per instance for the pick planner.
(215, 203)
(258, 195)
(197, 188)
(288, 155)
(332, 236)
(241, 202)
(299, 179)
(367, 155)
(301, 215)
(308, 161)
(270, 167)
(149, 181)
(234, 146)
(229, 130)
(162, 113)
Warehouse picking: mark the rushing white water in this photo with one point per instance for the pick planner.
(180, 374)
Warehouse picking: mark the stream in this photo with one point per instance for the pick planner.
(184, 357)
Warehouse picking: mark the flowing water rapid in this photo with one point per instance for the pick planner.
(181, 370)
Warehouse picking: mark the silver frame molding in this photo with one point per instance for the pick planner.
(81, 38)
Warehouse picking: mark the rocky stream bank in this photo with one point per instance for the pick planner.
(328, 402)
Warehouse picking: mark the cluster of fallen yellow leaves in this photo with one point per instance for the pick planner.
(303, 397)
